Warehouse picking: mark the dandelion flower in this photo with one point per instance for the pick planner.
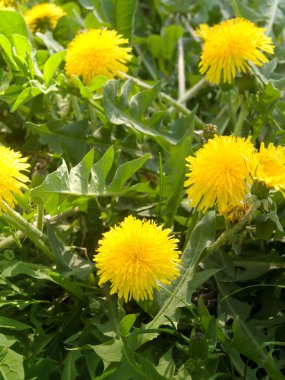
(219, 173)
(135, 257)
(269, 166)
(11, 180)
(43, 16)
(10, 3)
(230, 47)
(96, 52)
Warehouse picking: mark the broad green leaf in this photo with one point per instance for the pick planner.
(125, 172)
(86, 180)
(11, 22)
(26, 95)
(11, 364)
(118, 112)
(121, 14)
(242, 10)
(126, 324)
(125, 15)
(100, 171)
(12, 324)
(170, 37)
(6, 46)
(6, 340)
(174, 170)
(64, 138)
(69, 366)
(110, 351)
(246, 340)
(201, 237)
(52, 65)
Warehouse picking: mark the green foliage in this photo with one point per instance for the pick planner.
(117, 147)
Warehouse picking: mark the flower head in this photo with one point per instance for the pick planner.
(135, 256)
(9, 3)
(11, 180)
(97, 52)
(269, 166)
(43, 16)
(230, 47)
(219, 173)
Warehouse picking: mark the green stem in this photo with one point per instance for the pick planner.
(40, 216)
(10, 240)
(241, 118)
(193, 91)
(40, 239)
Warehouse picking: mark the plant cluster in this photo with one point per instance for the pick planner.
(142, 207)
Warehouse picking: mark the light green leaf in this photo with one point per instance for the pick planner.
(126, 324)
(6, 46)
(26, 95)
(11, 364)
(52, 65)
(11, 22)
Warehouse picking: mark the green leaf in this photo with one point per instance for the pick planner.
(69, 368)
(125, 172)
(6, 46)
(110, 351)
(6, 340)
(11, 22)
(63, 137)
(125, 15)
(12, 324)
(52, 65)
(11, 364)
(242, 10)
(121, 14)
(85, 180)
(174, 170)
(26, 95)
(117, 111)
(170, 36)
(126, 324)
(247, 342)
(201, 237)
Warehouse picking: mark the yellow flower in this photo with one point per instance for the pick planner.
(43, 16)
(269, 166)
(11, 180)
(219, 173)
(230, 47)
(97, 52)
(10, 3)
(135, 257)
(202, 31)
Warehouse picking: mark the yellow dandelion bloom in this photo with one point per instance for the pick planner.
(43, 16)
(11, 180)
(97, 52)
(135, 257)
(202, 31)
(219, 173)
(229, 48)
(10, 3)
(269, 166)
